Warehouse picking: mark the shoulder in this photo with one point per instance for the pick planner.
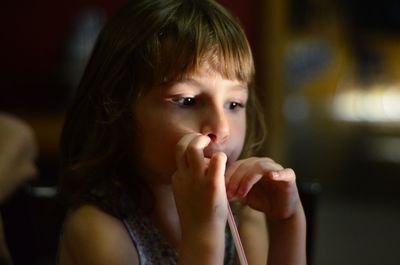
(16, 131)
(91, 236)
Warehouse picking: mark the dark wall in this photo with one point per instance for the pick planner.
(33, 49)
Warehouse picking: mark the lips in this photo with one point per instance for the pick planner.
(212, 149)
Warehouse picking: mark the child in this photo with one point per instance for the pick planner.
(151, 144)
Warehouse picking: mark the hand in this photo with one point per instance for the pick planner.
(265, 186)
(199, 185)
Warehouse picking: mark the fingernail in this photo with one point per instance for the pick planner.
(275, 174)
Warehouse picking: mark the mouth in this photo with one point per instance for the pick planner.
(208, 153)
(210, 150)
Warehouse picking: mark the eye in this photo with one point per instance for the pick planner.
(234, 105)
(185, 101)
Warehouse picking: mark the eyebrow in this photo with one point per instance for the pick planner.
(193, 81)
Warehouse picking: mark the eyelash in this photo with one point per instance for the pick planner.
(235, 106)
(186, 102)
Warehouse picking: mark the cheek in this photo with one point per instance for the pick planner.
(238, 134)
(158, 144)
(238, 128)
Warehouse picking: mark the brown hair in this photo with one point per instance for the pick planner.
(146, 44)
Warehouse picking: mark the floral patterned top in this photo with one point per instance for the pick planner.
(152, 247)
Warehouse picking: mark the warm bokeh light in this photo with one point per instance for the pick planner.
(378, 104)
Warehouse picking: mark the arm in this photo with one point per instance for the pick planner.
(92, 237)
(272, 239)
(204, 246)
(201, 201)
(288, 239)
(18, 151)
(254, 235)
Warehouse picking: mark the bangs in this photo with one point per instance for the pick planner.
(199, 37)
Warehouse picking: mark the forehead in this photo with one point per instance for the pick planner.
(206, 79)
(207, 74)
(177, 59)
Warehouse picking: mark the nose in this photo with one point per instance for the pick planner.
(216, 125)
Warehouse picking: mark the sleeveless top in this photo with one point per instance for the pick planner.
(152, 247)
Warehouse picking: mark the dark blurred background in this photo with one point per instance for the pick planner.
(328, 77)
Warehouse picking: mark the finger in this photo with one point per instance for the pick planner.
(263, 164)
(247, 183)
(231, 169)
(195, 155)
(217, 167)
(251, 167)
(181, 148)
(286, 175)
(236, 176)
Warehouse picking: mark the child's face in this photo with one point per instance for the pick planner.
(205, 103)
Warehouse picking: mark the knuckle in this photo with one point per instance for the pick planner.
(247, 181)
(184, 141)
(268, 159)
(263, 165)
(192, 148)
(180, 147)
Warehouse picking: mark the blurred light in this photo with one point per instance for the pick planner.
(344, 106)
(376, 104)
(391, 103)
